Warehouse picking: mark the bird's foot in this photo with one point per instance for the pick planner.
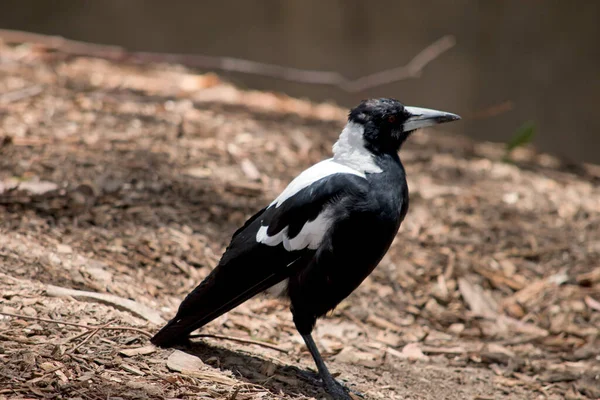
(310, 376)
(339, 391)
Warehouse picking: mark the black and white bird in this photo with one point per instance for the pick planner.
(322, 236)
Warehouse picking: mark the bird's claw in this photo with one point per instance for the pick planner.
(339, 391)
(354, 392)
(311, 376)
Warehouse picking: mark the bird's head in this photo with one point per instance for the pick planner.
(387, 123)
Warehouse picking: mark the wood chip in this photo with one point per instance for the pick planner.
(411, 351)
(351, 355)
(138, 351)
(592, 303)
(198, 172)
(443, 350)
(589, 278)
(61, 375)
(480, 302)
(132, 369)
(249, 169)
(383, 323)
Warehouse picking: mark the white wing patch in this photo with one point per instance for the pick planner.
(264, 238)
(313, 174)
(310, 235)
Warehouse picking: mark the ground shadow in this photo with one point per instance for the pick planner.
(289, 379)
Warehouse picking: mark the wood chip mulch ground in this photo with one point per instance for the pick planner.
(121, 185)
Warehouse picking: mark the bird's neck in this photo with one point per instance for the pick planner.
(350, 150)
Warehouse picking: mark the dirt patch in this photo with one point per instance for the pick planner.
(130, 181)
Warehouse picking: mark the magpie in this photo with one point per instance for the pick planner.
(322, 236)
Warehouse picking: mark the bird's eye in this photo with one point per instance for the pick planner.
(392, 119)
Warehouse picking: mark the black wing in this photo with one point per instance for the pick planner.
(249, 267)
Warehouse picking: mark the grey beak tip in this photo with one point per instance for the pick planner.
(451, 117)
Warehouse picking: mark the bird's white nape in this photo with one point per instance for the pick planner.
(350, 150)
(311, 175)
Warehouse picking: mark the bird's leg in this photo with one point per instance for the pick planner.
(336, 390)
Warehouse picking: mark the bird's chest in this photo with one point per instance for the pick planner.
(372, 231)
(388, 199)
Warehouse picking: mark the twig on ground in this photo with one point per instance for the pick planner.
(75, 337)
(138, 330)
(91, 335)
(55, 321)
(413, 69)
(16, 339)
(20, 94)
(240, 340)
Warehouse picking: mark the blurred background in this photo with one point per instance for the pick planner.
(514, 61)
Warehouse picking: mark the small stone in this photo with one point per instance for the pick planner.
(9, 310)
(29, 311)
(64, 249)
(456, 329)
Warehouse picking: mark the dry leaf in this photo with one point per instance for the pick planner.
(351, 355)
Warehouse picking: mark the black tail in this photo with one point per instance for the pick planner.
(215, 296)
(170, 335)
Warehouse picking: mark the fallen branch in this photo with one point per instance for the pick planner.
(55, 321)
(239, 340)
(412, 70)
(124, 304)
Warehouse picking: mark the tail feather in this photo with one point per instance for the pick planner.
(207, 302)
(172, 334)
